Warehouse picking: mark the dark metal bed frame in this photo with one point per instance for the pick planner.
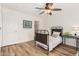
(42, 36)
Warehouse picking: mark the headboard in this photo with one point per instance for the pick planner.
(57, 29)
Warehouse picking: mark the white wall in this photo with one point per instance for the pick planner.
(13, 31)
(68, 17)
(0, 27)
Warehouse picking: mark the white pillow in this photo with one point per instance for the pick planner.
(55, 34)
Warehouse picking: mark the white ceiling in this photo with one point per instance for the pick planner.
(30, 7)
(24, 7)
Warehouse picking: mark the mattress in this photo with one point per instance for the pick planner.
(53, 42)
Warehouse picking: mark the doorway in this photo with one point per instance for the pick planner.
(36, 25)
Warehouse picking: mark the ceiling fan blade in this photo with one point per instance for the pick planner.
(39, 8)
(42, 12)
(56, 9)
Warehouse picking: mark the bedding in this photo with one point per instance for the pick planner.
(55, 34)
(53, 42)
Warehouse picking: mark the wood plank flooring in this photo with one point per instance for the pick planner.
(29, 49)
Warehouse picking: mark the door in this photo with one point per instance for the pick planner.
(36, 25)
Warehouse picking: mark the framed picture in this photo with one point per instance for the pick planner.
(27, 24)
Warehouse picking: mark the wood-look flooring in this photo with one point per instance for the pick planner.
(29, 49)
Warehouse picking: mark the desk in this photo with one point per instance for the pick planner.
(73, 37)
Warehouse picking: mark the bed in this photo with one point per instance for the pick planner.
(49, 41)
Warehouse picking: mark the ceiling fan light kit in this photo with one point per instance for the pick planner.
(48, 9)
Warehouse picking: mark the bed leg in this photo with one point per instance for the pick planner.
(48, 53)
(35, 44)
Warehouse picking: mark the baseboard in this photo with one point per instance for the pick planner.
(15, 43)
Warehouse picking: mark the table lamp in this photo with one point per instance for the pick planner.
(75, 29)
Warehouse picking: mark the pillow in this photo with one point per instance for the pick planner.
(55, 34)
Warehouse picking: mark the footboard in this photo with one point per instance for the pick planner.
(42, 36)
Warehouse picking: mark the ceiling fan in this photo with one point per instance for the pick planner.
(48, 9)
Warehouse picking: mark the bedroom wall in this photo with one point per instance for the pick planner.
(68, 17)
(13, 31)
(0, 27)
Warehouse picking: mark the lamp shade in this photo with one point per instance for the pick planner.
(75, 28)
